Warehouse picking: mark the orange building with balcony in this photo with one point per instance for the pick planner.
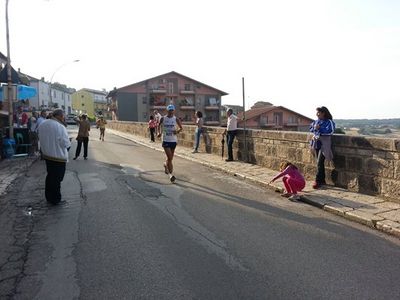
(136, 102)
(264, 115)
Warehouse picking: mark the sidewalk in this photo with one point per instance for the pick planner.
(368, 210)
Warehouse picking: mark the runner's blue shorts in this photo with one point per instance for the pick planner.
(171, 145)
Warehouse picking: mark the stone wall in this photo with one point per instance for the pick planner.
(361, 164)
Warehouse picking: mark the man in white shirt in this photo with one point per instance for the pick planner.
(231, 130)
(157, 118)
(55, 143)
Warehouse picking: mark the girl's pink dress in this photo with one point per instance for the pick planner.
(292, 179)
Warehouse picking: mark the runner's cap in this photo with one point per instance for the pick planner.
(170, 107)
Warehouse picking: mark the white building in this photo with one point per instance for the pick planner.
(61, 95)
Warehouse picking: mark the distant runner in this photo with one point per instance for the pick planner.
(101, 123)
(168, 126)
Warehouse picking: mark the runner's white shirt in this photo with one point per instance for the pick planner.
(169, 126)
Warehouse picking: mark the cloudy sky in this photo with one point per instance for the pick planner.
(344, 54)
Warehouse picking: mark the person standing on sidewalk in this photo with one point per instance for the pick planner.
(33, 133)
(152, 128)
(101, 124)
(231, 131)
(55, 144)
(199, 130)
(157, 118)
(322, 130)
(168, 126)
(83, 136)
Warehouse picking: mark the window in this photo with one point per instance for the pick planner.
(188, 87)
(144, 100)
(170, 88)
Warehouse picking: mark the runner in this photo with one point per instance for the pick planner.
(169, 140)
(101, 123)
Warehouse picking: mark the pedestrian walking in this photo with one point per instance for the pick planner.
(231, 131)
(83, 136)
(322, 129)
(199, 130)
(54, 146)
(292, 179)
(101, 124)
(168, 126)
(152, 128)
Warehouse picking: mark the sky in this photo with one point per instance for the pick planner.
(343, 54)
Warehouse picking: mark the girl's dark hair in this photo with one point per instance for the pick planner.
(151, 117)
(199, 114)
(325, 111)
(286, 164)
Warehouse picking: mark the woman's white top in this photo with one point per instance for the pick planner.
(169, 126)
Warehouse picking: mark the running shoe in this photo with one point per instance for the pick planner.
(172, 179)
(294, 198)
(286, 195)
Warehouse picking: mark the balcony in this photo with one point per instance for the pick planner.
(187, 92)
(158, 91)
(291, 124)
(211, 107)
(158, 107)
(187, 107)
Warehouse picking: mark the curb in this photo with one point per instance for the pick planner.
(349, 213)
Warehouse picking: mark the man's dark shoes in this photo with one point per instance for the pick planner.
(228, 159)
(85, 158)
(75, 158)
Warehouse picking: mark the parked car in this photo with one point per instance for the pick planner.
(70, 119)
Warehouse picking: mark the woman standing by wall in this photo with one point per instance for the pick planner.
(199, 130)
(322, 130)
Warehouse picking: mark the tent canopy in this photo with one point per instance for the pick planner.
(23, 92)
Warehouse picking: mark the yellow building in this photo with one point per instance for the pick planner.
(83, 102)
(91, 102)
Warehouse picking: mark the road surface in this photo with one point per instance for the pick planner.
(126, 232)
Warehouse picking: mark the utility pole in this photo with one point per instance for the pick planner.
(244, 123)
(9, 81)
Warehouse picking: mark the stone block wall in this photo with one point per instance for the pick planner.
(362, 164)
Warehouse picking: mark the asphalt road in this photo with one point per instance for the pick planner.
(126, 232)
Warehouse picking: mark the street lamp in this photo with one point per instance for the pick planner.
(52, 76)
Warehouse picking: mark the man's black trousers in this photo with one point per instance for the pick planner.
(55, 174)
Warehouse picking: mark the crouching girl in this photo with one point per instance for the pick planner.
(292, 179)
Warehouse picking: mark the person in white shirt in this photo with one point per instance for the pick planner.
(231, 130)
(55, 143)
(170, 126)
(157, 118)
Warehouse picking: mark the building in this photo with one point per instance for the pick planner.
(61, 95)
(224, 108)
(135, 102)
(264, 115)
(91, 102)
(3, 61)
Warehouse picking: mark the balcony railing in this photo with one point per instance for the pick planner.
(211, 107)
(187, 107)
(158, 91)
(187, 92)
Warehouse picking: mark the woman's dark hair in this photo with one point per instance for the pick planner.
(151, 117)
(199, 114)
(286, 164)
(325, 111)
